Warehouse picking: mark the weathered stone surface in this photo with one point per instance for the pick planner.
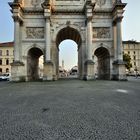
(91, 24)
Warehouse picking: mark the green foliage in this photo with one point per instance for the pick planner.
(127, 59)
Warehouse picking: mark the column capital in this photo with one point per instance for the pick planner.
(17, 4)
(17, 19)
(46, 5)
(118, 10)
(89, 7)
(16, 10)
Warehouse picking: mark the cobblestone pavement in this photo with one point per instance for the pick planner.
(70, 110)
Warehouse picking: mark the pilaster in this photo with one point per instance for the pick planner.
(89, 64)
(18, 21)
(17, 67)
(48, 64)
(118, 64)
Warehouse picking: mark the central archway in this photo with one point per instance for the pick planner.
(69, 33)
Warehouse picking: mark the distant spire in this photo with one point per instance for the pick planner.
(62, 64)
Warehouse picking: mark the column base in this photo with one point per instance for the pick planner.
(17, 72)
(119, 71)
(48, 74)
(89, 70)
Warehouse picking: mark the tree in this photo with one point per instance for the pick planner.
(127, 59)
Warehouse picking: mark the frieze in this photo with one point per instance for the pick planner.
(35, 32)
(100, 3)
(101, 32)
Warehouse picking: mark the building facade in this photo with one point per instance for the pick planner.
(41, 25)
(6, 57)
(133, 49)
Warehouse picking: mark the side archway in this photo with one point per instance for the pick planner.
(33, 67)
(103, 63)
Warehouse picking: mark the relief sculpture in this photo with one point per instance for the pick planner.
(35, 32)
(100, 2)
(101, 32)
(35, 3)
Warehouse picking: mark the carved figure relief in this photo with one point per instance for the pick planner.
(101, 32)
(35, 32)
(35, 3)
(100, 2)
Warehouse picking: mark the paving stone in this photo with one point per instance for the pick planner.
(70, 110)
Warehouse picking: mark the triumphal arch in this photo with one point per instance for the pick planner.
(41, 25)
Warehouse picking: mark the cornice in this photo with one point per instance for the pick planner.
(33, 11)
(118, 6)
(80, 10)
(15, 5)
(102, 12)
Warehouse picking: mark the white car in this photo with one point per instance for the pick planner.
(5, 77)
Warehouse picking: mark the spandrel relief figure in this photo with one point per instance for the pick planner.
(101, 32)
(100, 2)
(35, 3)
(34, 33)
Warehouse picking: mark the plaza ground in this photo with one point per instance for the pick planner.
(70, 110)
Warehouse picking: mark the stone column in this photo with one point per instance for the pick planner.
(119, 64)
(48, 40)
(89, 39)
(115, 40)
(17, 67)
(48, 74)
(89, 64)
(16, 40)
(119, 40)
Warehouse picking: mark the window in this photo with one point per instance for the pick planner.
(7, 52)
(128, 52)
(7, 70)
(0, 61)
(0, 52)
(134, 52)
(134, 63)
(134, 57)
(0, 70)
(7, 62)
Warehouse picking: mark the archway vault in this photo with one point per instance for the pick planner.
(68, 33)
(33, 63)
(103, 67)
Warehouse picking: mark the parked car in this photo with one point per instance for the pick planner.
(5, 77)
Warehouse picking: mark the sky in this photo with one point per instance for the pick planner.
(68, 49)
